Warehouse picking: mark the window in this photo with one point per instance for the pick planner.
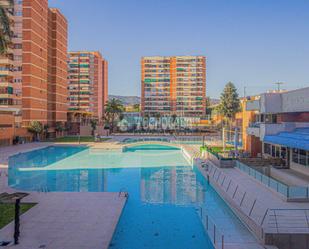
(295, 156)
(302, 157)
(267, 148)
(283, 152)
(277, 152)
(273, 151)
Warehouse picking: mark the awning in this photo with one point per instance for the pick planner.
(298, 139)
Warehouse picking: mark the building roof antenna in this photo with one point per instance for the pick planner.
(279, 85)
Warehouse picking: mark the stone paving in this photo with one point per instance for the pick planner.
(68, 221)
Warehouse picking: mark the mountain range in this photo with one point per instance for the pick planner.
(132, 100)
(126, 100)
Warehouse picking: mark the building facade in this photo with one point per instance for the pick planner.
(7, 96)
(44, 69)
(280, 127)
(33, 74)
(87, 83)
(57, 93)
(173, 86)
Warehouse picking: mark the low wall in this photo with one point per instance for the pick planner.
(86, 130)
(288, 241)
(219, 162)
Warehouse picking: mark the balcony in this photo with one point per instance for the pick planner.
(6, 73)
(6, 61)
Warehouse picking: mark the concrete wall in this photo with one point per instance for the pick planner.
(296, 101)
(86, 130)
(288, 241)
(6, 128)
(270, 103)
(254, 145)
(291, 101)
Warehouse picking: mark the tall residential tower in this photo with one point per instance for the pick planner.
(33, 74)
(87, 83)
(174, 85)
(44, 69)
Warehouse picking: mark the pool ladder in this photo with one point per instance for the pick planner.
(43, 189)
(123, 193)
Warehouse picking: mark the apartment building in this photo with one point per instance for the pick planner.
(87, 83)
(173, 85)
(34, 76)
(7, 96)
(57, 93)
(44, 49)
(280, 127)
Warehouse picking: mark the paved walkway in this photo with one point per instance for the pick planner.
(68, 220)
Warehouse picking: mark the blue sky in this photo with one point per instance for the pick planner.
(253, 43)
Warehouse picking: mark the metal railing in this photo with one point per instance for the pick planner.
(290, 192)
(251, 210)
(261, 220)
(282, 220)
(123, 193)
(42, 189)
(215, 234)
(149, 139)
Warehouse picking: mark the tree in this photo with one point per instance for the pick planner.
(229, 102)
(158, 117)
(136, 107)
(146, 121)
(36, 128)
(113, 110)
(60, 127)
(45, 130)
(174, 119)
(93, 124)
(5, 26)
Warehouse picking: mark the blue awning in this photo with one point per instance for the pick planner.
(298, 139)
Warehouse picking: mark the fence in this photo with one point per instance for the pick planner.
(261, 220)
(248, 208)
(215, 235)
(282, 220)
(290, 192)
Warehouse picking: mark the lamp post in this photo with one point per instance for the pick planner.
(14, 198)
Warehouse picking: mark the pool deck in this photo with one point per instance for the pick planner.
(62, 220)
(68, 220)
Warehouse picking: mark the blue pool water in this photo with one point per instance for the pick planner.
(165, 192)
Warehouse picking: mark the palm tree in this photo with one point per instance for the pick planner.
(93, 124)
(113, 110)
(174, 118)
(60, 127)
(45, 130)
(158, 117)
(5, 26)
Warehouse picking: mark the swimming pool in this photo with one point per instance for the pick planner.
(165, 192)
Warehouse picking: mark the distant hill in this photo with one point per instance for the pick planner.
(132, 100)
(126, 100)
(214, 101)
